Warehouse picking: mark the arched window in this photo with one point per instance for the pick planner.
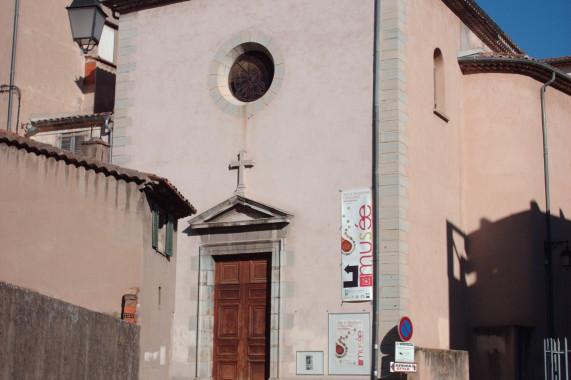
(439, 85)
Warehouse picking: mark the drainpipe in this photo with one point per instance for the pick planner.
(110, 140)
(376, 195)
(13, 64)
(198, 313)
(548, 261)
(7, 88)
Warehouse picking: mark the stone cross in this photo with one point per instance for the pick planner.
(241, 164)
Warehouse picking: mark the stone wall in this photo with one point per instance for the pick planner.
(434, 364)
(44, 338)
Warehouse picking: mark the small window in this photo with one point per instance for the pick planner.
(73, 142)
(439, 85)
(106, 48)
(251, 76)
(163, 231)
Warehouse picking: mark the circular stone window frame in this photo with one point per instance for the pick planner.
(225, 58)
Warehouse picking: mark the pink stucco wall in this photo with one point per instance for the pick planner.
(69, 233)
(85, 238)
(477, 199)
(482, 166)
(156, 306)
(308, 144)
(505, 147)
(47, 64)
(435, 167)
(314, 139)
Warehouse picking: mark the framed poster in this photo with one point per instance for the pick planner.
(309, 363)
(349, 344)
(357, 245)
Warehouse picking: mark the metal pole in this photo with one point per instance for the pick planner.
(566, 361)
(13, 65)
(376, 196)
(110, 138)
(558, 359)
(548, 261)
(545, 350)
(552, 356)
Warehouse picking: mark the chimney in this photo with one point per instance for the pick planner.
(96, 149)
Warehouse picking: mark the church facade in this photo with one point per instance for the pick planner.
(275, 115)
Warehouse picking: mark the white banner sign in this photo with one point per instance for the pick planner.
(357, 245)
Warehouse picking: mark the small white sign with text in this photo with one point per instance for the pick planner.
(404, 352)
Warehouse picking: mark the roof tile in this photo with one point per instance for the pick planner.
(157, 186)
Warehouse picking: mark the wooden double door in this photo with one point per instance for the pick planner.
(241, 318)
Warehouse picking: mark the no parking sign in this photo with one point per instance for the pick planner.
(405, 329)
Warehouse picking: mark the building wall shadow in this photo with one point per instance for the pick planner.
(497, 293)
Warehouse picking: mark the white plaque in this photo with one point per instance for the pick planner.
(309, 363)
(404, 352)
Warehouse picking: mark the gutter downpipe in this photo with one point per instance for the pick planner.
(197, 312)
(548, 261)
(12, 65)
(110, 140)
(376, 195)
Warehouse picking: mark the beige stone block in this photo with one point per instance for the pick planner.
(126, 68)
(260, 37)
(246, 36)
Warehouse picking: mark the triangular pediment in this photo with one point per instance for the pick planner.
(239, 211)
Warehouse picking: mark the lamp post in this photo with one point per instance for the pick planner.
(86, 18)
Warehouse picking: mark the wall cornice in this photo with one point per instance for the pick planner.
(537, 70)
(127, 6)
(483, 26)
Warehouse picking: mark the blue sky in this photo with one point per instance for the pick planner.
(541, 28)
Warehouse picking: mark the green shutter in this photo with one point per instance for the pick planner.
(155, 214)
(169, 236)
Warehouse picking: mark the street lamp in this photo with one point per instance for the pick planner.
(86, 18)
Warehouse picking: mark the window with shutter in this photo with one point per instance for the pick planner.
(155, 214)
(163, 231)
(107, 42)
(169, 236)
(73, 142)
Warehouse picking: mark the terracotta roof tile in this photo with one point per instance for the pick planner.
(127, 6)
(565, 59)
(504, 55)
(558, 61)
(516, 64)
(157, 186)
(169, 190)
(71, 121)
(68, 118)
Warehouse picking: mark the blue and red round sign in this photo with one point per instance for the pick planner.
(405, 329)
